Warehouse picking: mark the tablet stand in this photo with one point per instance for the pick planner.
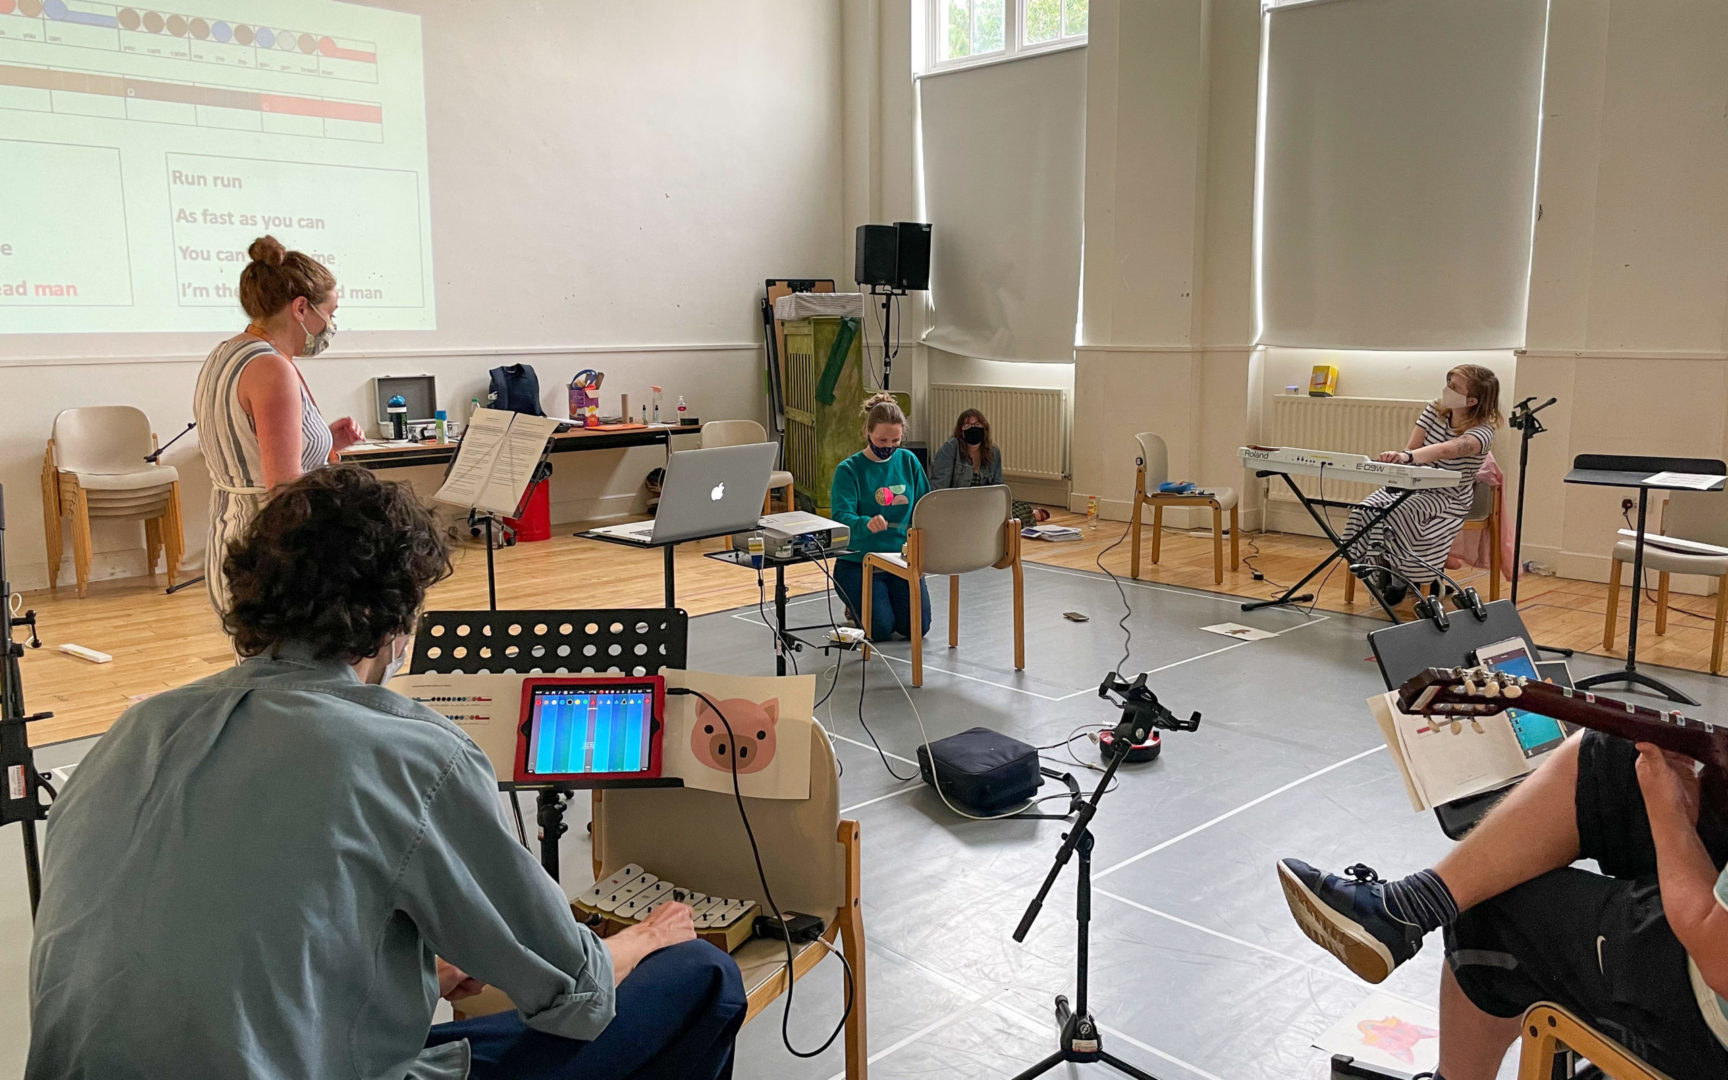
(602, 641)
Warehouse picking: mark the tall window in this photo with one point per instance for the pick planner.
(967, 32)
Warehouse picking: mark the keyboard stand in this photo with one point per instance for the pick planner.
(1340, 545)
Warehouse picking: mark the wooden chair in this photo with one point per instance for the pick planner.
(1484, 515)
(1691, 515)
(742, 433)
(954, 531)
(1550, 1032)
(94, 467)
(695, 838)
(1152, 470)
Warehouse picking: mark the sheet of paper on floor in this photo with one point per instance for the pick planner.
(1388, 1034)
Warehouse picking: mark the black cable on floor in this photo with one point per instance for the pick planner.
(866, 726)
(1127, 610)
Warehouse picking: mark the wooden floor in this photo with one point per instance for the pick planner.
(161, 641)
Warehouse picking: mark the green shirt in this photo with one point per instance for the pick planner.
(864, 487)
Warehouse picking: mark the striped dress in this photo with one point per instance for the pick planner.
(1415, 538)
(230, 446)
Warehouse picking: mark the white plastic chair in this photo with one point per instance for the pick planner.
(743, 433)
(1154, 470)
(954, 531)
(1701, 516)
(94, 467)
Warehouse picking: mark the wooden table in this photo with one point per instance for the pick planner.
(572, 439)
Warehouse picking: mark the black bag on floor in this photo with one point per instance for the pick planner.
(981, 771)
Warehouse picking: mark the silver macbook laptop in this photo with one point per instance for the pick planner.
(705, 493)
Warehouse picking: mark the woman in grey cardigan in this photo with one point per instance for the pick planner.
(970, 459)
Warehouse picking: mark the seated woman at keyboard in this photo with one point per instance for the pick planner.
(972, 459)
(1454, 432)
(872, 494)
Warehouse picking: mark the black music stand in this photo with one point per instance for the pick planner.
(602, 641)
(1409, 649)
(1630, 470)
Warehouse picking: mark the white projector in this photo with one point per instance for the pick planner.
(784, 535)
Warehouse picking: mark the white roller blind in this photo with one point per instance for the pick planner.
(1399, 172)
(1004, 148)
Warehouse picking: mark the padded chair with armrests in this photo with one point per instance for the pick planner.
(1691, 515)
(954, 531)
(742, 433)
(94, 468)
(1154, 470)
(1484, 515)
(1550, 1032)
(695, 838)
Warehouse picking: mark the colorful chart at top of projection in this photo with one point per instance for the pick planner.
(155, 32)
(160, 141)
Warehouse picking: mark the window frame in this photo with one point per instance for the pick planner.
(1014, 44)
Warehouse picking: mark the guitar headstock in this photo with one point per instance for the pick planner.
(1460, 692)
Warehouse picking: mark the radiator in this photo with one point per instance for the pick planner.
(1030, 424)
(1356, 425)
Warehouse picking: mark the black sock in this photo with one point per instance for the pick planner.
(1423, 900)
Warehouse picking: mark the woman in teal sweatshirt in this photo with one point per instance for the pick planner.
(873, 493)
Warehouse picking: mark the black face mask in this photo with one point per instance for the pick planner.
(973, 436)
(880, 453)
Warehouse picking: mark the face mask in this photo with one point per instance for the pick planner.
(974, 436)
(398, 657)
(880, 453)
(317, 343)
(1453, 400)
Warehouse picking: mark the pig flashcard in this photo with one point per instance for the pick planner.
(769, 740)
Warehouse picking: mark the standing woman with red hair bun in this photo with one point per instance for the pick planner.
(258, 425)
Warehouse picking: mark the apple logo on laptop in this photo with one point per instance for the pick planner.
(719, 491)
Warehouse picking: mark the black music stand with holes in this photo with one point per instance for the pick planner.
(602, 641)
(1629, 470)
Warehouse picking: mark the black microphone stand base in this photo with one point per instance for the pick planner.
(1080, 1042)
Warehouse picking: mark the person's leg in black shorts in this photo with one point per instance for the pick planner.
(1531, 929)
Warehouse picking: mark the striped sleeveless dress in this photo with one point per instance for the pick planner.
(1415, 538)
(230, 446)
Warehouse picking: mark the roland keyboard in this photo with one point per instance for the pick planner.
(1337, 465)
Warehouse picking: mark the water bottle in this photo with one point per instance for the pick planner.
(442, 424)
(1091, 511)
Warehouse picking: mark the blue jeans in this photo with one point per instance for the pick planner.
(678, 1013)
(890, 602)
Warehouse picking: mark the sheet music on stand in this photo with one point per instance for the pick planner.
(496, 460)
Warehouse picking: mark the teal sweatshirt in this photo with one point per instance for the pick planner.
(864, 487)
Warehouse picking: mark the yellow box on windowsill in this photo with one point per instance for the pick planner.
(1324, 381)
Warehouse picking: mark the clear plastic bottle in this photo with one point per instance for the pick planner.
(1091, 511)
(441, 423)
(683, 408)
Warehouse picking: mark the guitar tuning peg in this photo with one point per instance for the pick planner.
(1491, 688)
(1477, 726)
(1515, 690)
(1469, 687)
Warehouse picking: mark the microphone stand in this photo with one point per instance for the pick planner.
(1523, 417)
(18, 799)
(1079, 1039)
(153, 458)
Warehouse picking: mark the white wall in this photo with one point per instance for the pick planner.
(604, 176)
(1629, 293)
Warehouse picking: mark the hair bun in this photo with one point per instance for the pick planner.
(882, 398)
(267, 250)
